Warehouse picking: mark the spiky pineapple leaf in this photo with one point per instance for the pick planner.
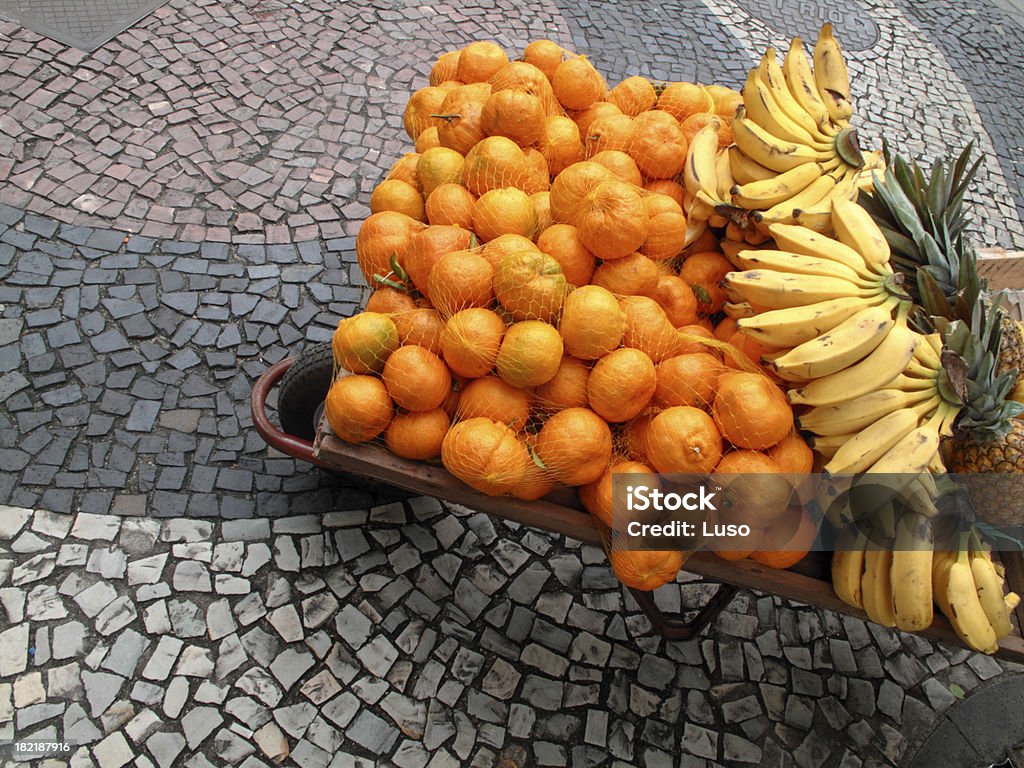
(932, 296)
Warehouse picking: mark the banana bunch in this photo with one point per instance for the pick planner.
(968, 589)
(795, 152)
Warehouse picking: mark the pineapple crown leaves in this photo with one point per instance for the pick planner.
(923, 220)
(987, 413)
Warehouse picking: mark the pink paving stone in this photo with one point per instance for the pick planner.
(310, 232)
(218, 218)
(6, 163)
(323, 212)
(27, 179)
(119, 171)
(278, 233)
(248, 222)
(161, 231)
(218, 234)
(193, 233)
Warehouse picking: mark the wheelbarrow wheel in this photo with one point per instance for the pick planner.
(303, 390)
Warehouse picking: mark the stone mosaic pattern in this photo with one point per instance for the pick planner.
(413, 634)
(269, 121)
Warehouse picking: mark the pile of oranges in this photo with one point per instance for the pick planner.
(543, 314)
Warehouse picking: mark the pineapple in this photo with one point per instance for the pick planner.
(923, 221)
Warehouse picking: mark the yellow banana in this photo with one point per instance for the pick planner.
(800, 79)
(774, 78)
(966, 612)
(839, 348)
(777, 290)
(723, 177)
(911, 384)
(818, 216)
(810, 197)
(761, 195)
(793, 326)
(827, 445)
(875, 371)
(910, 455)
(831, 76)
(738, 310)
(911, 573)
(801, 264)
(876, 586)
(769, 151)
(744, 170)
(765, 111)
(700, 172)
(848, 567)
(917, 497)
(858, 413)
(927, 355)
(855, 227)
(872, 443)
(990, 593)
(797, 239)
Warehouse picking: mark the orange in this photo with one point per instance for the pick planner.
(666, 228)
(571, 186)
(598, 497)
(400, 196)
(745, 354)
(530, 354)
(445, 68)
(479, 60)
(534, 483)
(577, 84)
(451, 204)
(562, 243)
(460, 129)
(691, 339)
(542, 207)
(381, 236)
(494, 398)
(575, 446)
(567, 389)
(524, 76)
(406, 168)
(791, 545)
(506, 211)
(706, 270)
(725, 329)
(707, 241)
(593, 323)
(646, 569)
(562, 143)
(612, 131)
(694, 123)
(422, 104)
(362, 343)
(585, 118)
(633, 95)
(620, 164)
(751, 411)
(386, 301)
(485, 455)
(429, 245)
(683, 439)
(634, 275)
(648, 329)
(530, 285)
(438, 166)
(725, 100)
(759, 495)
(792, 454)
(503, 245)
(621, 384)
(515, 114)
(673, 189)
(684, 99)
(545, 55)
(493, 163)
(688, 379)
(634, 436)
(417, 435)
(677, 299)
(421, 326)
(471, 340)
(537, 177)
(428, 139)
(658, 145)
(358, 408)
(459, 280)
(416, 379)
(612, 220)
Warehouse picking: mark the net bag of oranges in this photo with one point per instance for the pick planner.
(544, 314)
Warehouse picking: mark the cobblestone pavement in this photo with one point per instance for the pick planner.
(413, 634)
(177, 212)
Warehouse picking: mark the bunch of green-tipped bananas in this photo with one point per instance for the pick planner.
(968, 588)
(794, 150)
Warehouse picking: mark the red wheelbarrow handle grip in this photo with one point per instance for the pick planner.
(293, 446)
